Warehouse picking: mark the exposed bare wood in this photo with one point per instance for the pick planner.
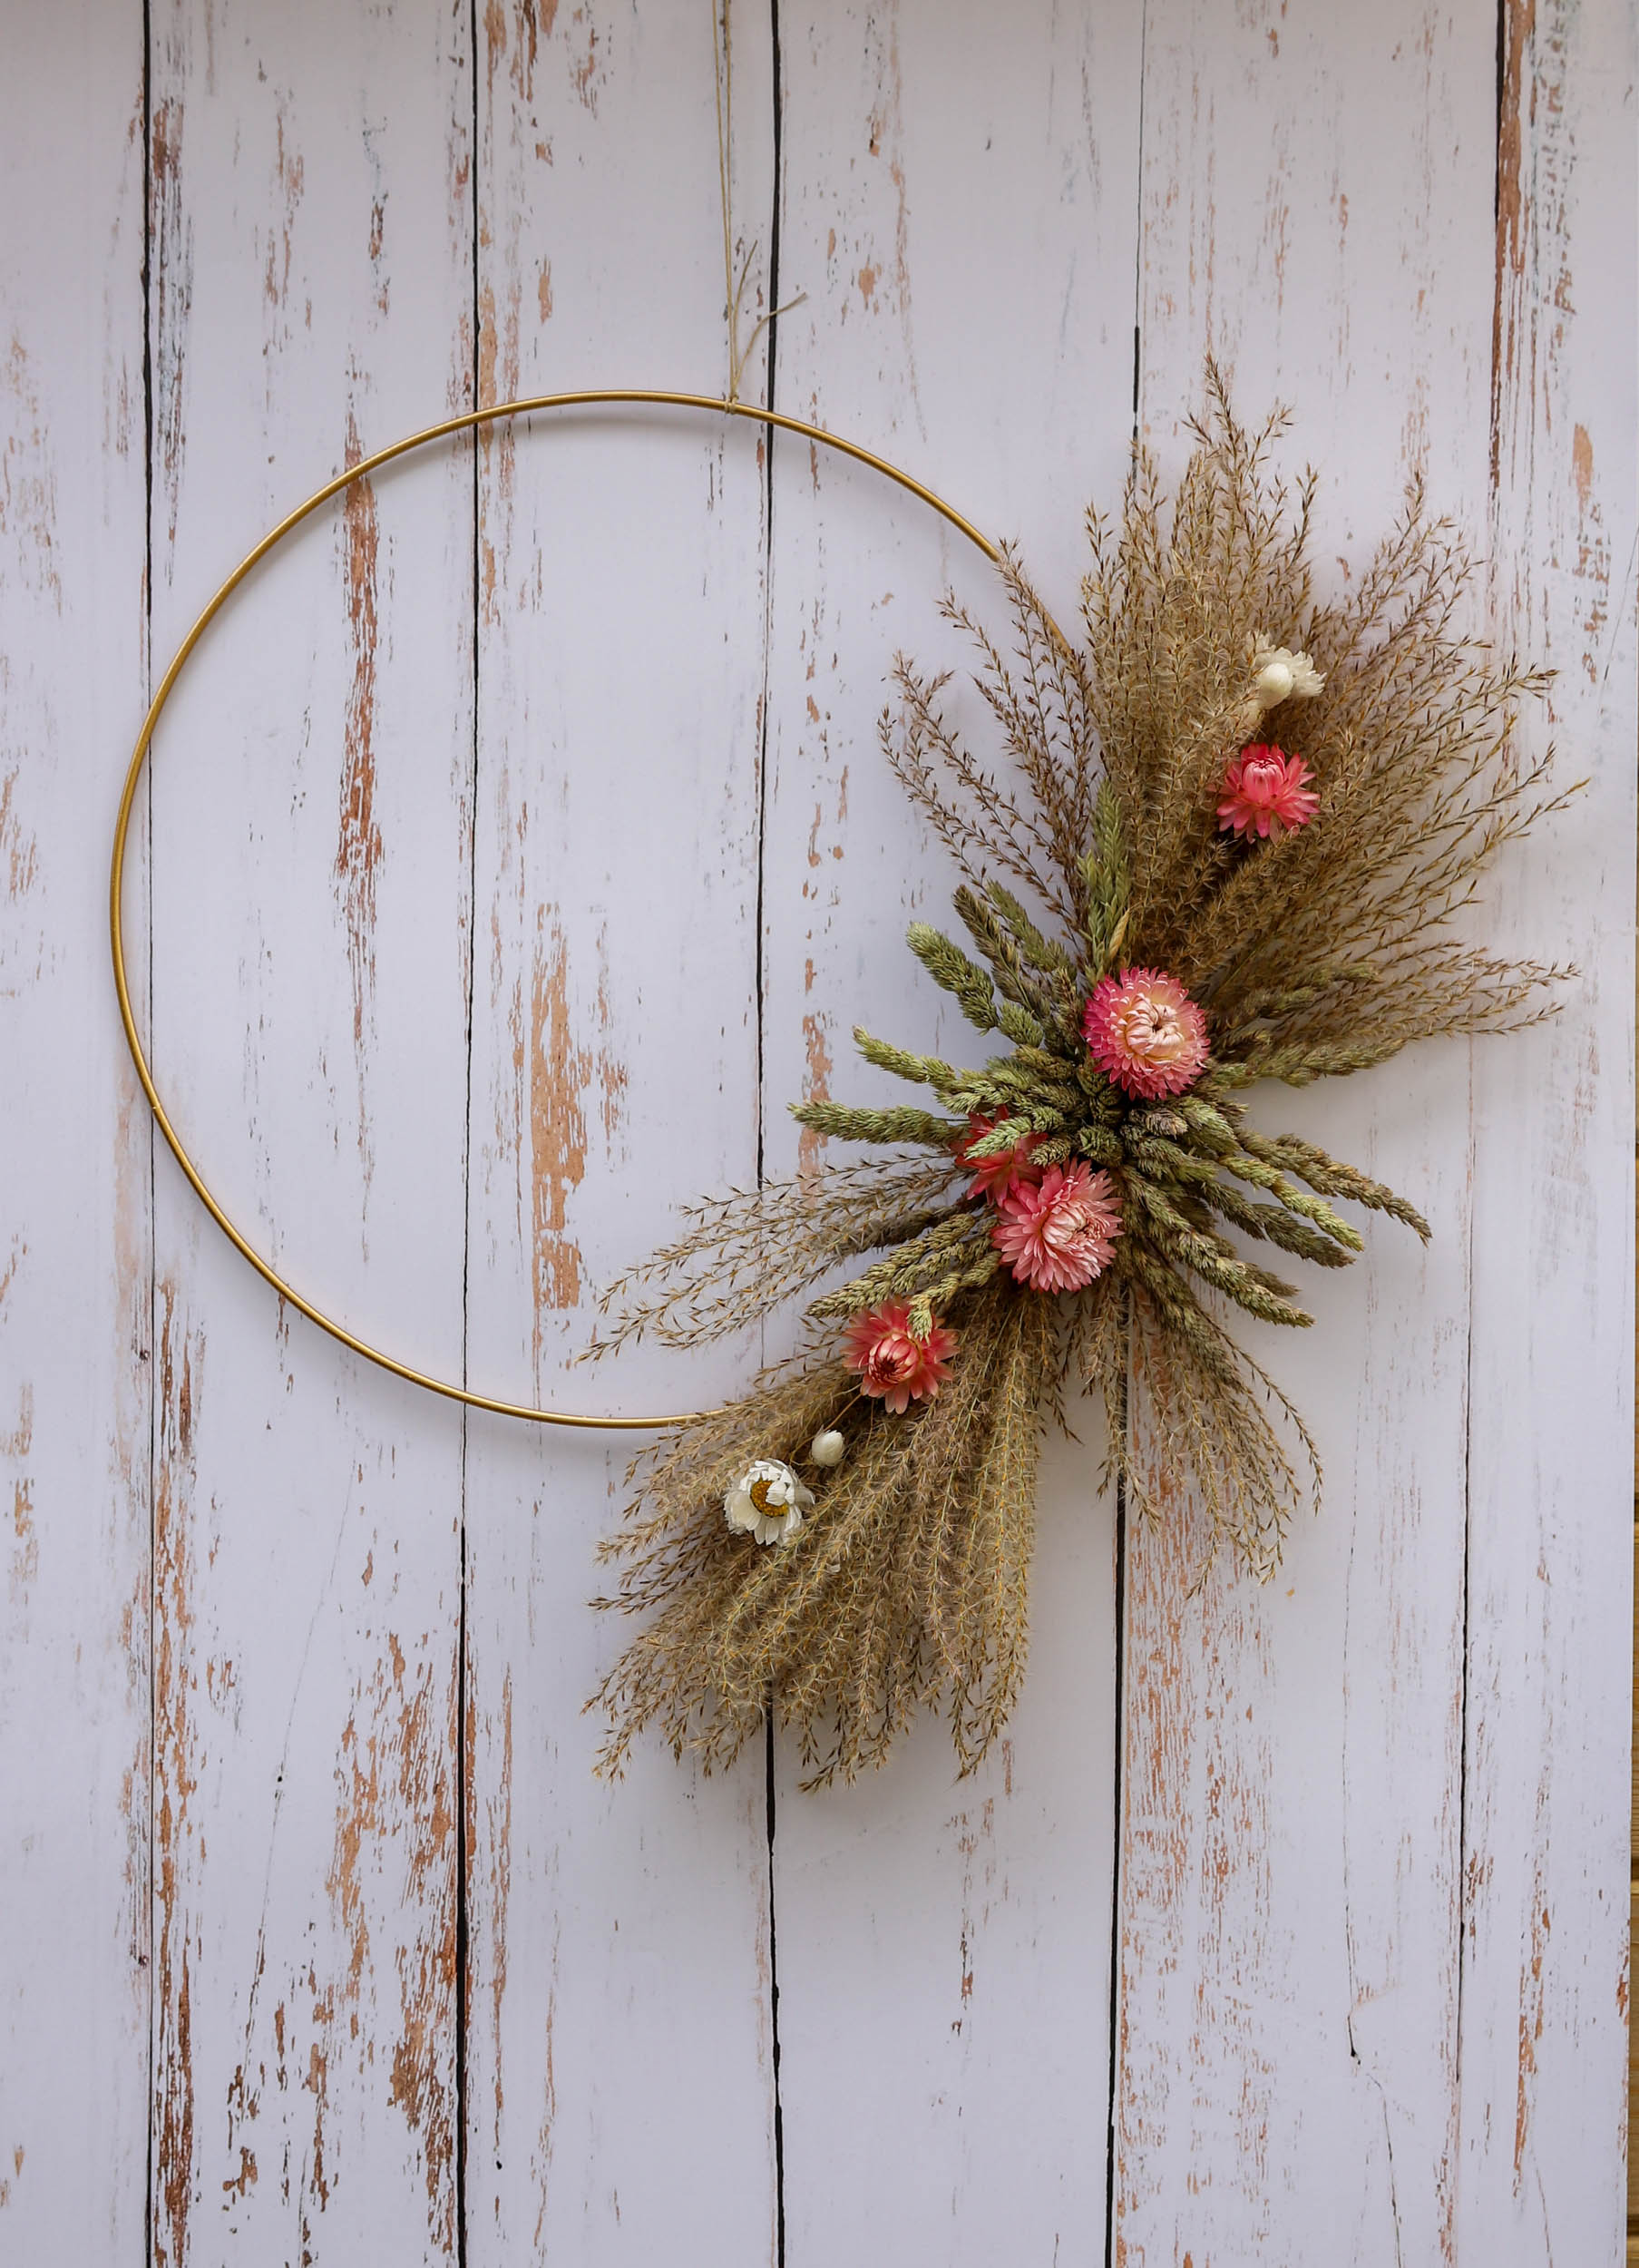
(1544, 1859)
(521, 846)
(943, 1947)
(312, 258)
(1317, 211)
(75, 1254)
(620, 2087)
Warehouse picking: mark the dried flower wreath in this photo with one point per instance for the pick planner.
(1169, 904)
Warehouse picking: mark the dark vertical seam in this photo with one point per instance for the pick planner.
(1117, 1779)
(1502, 72)
(773, 2003)
(768, 446)
(1497, 252)
(1460, 1901)
(1466, 1669)
(1117, 1776)
(153, 1255)
(463, 1761)
(760, 979)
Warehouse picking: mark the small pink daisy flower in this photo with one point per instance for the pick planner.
(1263, 792)
(996, 1176)
(894, 1367)
(1146, 1033)
(1060, 1233)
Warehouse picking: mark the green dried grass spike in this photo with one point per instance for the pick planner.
(1332, 1178)
(905, 1271)
(1280, 1226)
(1026, 989)
(1039, 951)
(1107, 879)
(1102, 1144)
(1019, 1025)
(922, 1070)
(1208, 1123)
(900, 1122)
(950, 969)
(1005, 1135)
(1248, 1168)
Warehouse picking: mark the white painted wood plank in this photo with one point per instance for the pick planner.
(1546, 1860)
(620, 2074)
(74, 1240)
(1318, 209)
(959, 205)
(312, 295)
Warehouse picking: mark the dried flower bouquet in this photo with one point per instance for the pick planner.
(1167, 905)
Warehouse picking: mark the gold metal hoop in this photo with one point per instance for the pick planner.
(470, 420)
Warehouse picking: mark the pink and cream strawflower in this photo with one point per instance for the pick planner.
(1265, 792)
(1146, 1033)
(1059, 1234)
(995, 1176)
(894, 1367)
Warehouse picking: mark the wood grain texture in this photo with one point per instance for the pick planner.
(521, 846)
(312, 256)
(74, 1226)
(1317, 212)
(959, 204)
(619, 2078)
(1545, 1939)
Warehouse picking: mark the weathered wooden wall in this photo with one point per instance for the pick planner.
(517, 845)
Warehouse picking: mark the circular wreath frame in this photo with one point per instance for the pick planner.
(468, 421)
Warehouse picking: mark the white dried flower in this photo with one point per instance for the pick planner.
(828, 1448)
(1279, 675)
(767, 1501)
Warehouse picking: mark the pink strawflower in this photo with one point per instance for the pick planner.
(1060, 1233)
(1263, 792)
(1146, 1033)
(995, 1176)
(894, 1367)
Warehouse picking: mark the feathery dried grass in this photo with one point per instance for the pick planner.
(906, 1586)
(1091, 845)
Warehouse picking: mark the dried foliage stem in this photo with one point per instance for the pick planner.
(1095, 859)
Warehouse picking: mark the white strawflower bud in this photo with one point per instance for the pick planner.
(828, 1448)
(1278, 674)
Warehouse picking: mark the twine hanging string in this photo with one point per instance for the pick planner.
(734, 288)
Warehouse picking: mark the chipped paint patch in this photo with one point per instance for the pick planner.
(1195, 1883)
(19, 873)
(557, 1072)
(176, 1777)
(15, 1448)
(817, 1068)
(499, 1809)
(28, 481)
(554, 1073)
(395, 1816)
(171, 267)
(359, 848)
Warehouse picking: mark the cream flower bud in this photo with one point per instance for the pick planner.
(1281, 675)
(828, 1448)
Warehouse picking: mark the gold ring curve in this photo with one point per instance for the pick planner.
(468, 421)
